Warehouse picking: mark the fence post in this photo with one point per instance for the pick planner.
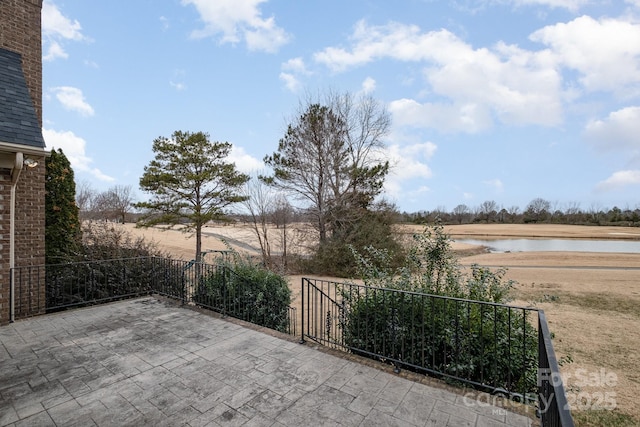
(302, 311)
(12, 295)
(553, 406)
(183, 286)
(153, 275)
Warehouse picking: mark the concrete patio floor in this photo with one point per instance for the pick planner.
(149, 361)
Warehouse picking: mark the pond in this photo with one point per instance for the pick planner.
(556, 245)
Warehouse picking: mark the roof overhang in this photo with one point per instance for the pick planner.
(9, 149)
(8, 152)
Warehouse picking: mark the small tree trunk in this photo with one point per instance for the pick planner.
(322, 230)
(199, 243)
(284, 244)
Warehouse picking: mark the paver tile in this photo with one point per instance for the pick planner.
(149, 362)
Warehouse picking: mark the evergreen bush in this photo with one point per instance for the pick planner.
(62, 223)
(435, 317)
(248, 291)
(374, 228)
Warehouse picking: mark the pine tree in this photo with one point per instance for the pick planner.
(62, 224)
(191, 183)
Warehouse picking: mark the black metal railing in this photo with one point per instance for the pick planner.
(222, 289)
(169, 279)
(552, 401)
(79, 284)
(45, 289)
(488, 346)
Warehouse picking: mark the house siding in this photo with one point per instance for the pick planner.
(5, 200)
(21, 32)
(29, 235)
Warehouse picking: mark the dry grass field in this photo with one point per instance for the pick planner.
(592, 302)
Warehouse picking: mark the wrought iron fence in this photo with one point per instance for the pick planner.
(491, 347)
(222, 289)
(553, 406)
(40, 289)
(79, 284)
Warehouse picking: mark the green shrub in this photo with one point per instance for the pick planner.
(62, 224)
(335, 256)
(411, 321)
(246, 291)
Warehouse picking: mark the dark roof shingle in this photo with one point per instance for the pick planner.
(18, 120)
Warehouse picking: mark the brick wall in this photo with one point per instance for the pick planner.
(30, 215)
(29, 222)
(20, 31)
(5, 200)
(29, 234)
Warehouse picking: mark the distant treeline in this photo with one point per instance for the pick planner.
(537, 211)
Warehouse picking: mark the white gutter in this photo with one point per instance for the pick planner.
(15, 174)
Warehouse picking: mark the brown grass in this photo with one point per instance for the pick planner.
(592, 302)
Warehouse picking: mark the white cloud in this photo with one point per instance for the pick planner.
(55, 23)
(495, 184)
(177, 82)
(54, 51)
(74, 148)
(619, 130)
(469, 118)
(292, 69)
(518, 86)
(295, 64)
(267, 37)
(291, 82)
(606, 52)
(72, 99)
(572, 5)
(179, 86)
(514, 85)
(55, 28)
(243, 161)
(619, 180)
(423, 189)
(164, 22)
(368, 85)
(394, 40)
(236, 21)
(407, 163)
(91, 64)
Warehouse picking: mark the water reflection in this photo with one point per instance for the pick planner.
(557, 245)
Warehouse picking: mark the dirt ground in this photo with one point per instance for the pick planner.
(592, 300)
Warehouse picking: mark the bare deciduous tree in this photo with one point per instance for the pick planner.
(85, 195)
(537, 210)
(114, 203)
(460, 213)
(329, 158)
(120, 199)
(259, 203)
(488, 210)
(282, 217)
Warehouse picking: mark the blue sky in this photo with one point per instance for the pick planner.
(501, 100)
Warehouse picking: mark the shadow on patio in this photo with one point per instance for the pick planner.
(149, 361)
